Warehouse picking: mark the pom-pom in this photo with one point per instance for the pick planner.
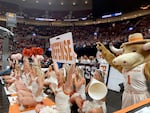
(34, 51)
(18, 56)
(40, 51)
(32, 57)
(26, 52)
(39, 57)
(13, 56)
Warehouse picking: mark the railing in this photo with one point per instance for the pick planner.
(82, 23)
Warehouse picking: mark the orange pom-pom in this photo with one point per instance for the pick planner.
(34, 51)
(40, 51)
(26, 52)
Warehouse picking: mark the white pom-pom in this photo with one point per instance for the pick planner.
(13, 56)
(18, 56)
(40, 57)
(32, 57)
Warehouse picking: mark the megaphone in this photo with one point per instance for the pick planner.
(97, 90)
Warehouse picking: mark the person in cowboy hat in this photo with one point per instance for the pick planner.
(134, 64)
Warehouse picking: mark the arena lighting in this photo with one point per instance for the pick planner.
(33, 34)
(19, 16)
(95, 33)
(49, 49)
(45, 19)
(85, 18)
(106, 16)
(50, 3)
(112, 15)
(130, 28)
(118, 14)
(86, 2)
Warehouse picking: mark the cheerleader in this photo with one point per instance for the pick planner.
(35, 95)
(65, 88)
(95, 106)
(79, 83)
(50, 80)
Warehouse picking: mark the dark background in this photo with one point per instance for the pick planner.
(103, 7)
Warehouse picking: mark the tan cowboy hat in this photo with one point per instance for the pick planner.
(135, 38)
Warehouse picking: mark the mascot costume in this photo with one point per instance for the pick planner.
(134, 63)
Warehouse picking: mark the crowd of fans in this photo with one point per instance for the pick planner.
(84, 37)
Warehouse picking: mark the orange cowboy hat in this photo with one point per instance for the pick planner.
(135, 38)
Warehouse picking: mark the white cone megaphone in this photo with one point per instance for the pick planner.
(97, 90)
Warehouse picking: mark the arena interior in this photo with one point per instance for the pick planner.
(27, 24)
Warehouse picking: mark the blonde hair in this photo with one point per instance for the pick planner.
(38, 70)
(80, 71)
(66, 66)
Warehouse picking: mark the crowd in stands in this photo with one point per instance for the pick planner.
(84, 37)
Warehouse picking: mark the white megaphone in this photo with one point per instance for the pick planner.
(97, 90)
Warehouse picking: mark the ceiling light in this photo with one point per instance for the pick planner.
(36, 1)
(86, 2)
(23, 0)
(73, 3)
(50, 3)
(62, 3)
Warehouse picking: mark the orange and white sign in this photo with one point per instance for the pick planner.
(62, 48)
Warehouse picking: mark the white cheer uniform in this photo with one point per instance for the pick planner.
(62, 101)
(34, 86)
(135, 88)
(80, 92)
(88, 105)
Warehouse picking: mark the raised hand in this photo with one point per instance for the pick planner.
(99, 46)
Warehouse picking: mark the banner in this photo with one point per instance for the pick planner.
(11, 19)
(62, 48)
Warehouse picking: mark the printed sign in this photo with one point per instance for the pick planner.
(62, 48)
(11, 19)
(88, 69)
